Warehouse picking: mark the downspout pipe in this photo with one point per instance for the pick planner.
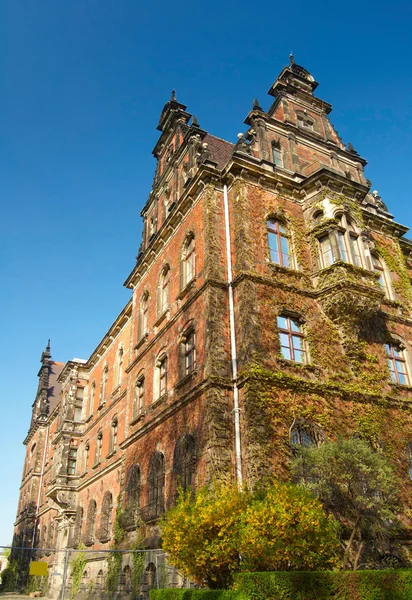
(233, 352)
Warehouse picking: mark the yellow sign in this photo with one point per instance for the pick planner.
(38, 568)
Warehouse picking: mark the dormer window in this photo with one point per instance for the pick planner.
(277, 154)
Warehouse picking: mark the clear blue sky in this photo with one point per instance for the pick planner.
(82, 86)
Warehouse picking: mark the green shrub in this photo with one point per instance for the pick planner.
(197, 595)
(331, 585)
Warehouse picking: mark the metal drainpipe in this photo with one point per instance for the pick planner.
(40, 486)
(238, 453)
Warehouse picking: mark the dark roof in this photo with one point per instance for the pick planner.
(53, 394)
(220, 150)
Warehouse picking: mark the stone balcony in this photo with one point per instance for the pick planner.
(349, 293)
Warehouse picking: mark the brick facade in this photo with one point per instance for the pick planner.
(157, 394)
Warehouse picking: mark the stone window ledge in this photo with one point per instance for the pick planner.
(112, 453)
(189, 286)
(142, 340)
(161, 317)
(159, 401)
(187, 378)
(138, 418)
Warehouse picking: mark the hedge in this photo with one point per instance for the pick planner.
(176, 594)
(297, 585)
(327, 585)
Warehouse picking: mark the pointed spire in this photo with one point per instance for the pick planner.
(173, 96)
(195, 121)
(291, 58)
(256, 104)
(48, 345)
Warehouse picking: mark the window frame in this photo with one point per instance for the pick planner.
(276, 231)
(292, 334)
(139, 396)
(72, 461)
(188, 260)
(395, 355)
(277, 155)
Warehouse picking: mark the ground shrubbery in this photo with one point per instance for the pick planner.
(223, 530)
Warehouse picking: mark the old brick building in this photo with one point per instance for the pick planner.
(271, 306)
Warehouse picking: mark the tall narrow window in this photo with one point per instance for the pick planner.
(113, 436)
(160, 382)
(188, 261)
(86, 457)
(155, 481)
(98, 451)
(184, 461)
(188, 352)
(292, 339)
(397, 364)
(120, 366)
(91, 523)
(277, 155)
(143, 325)
(379, 268)
(326, 251)
(91, 399)
(71, 463)
(78, 408)
(78, 526)
(103, 387)
(106, 518)
(342, 246)
(163, 291)
(133, 487)
(279, 243)
(138, 403)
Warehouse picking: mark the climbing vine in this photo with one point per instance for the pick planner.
(77, 565)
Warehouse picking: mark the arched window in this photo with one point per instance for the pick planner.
(127, 579)
(292, 339)
(143, 323)
(160, 377)
(184, 459)
(92, 398)
(100, 580)
(103, 386)
(188, 261)
(91, 523)
(85, 579)
(187, 353)
(163, 291)
(106, 518)
(133, 487)
(156, 480)
(279, 243)
(78, 526)
(277, 154)
(149, 578)
(138, 400)
(113, 436)
(98, 449)
(305, 434)
(396, 357)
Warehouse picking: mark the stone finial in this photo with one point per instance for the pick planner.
(291, 58)
(195, 121)
(173, 97)
(256, 104)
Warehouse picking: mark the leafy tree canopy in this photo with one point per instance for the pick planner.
(356, 485)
